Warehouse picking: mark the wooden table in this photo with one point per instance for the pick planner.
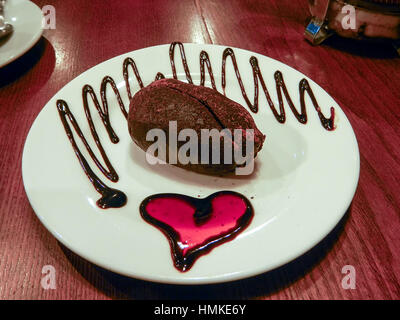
(364, 79)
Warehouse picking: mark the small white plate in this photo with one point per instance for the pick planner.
(26, 19)
(304, 181)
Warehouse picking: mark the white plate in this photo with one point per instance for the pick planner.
(304, 181)
(26, 19)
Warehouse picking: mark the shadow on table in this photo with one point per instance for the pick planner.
(16, 69)
(121, 287)
(369, 49)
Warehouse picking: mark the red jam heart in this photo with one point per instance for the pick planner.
(195, 226)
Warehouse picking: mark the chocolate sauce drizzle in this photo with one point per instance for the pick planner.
(304, 86)
(112, 198)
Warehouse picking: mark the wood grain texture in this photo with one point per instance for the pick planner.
(363, 78)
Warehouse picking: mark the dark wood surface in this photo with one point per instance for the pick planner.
(363, 78)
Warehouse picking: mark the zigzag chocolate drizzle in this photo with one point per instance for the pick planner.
(116, 198)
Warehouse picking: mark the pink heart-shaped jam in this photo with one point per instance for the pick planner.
(195, 226)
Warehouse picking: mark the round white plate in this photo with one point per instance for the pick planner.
(26, 19)
(304, 180)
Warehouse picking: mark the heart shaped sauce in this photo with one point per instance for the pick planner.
(195, 226)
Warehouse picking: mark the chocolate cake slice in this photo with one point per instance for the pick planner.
(193, 107)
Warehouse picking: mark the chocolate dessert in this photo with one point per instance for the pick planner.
(193, 107)
(113, 198)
